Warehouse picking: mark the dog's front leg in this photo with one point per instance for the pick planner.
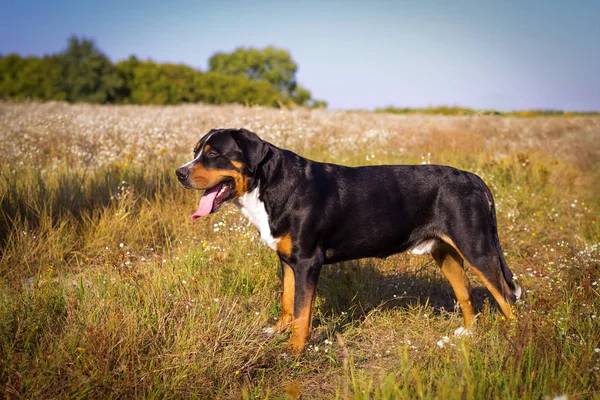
(287, 298)
(306, 276)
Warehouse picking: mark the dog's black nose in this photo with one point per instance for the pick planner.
(182, 173)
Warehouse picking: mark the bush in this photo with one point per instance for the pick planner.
(152, 83)
(82, 73)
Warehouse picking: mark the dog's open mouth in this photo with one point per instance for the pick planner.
(213, 198)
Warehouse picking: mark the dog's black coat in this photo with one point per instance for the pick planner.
(373, 211)
(334, 213)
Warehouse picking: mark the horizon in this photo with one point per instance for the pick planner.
(502, 57)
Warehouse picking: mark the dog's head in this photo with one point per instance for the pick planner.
(224, 163)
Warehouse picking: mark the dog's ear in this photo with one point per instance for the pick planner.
(254, 149)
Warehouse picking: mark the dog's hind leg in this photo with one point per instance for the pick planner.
(493, 279)
(451, 264)
(482, 257)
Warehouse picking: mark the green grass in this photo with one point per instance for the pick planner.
(108, 290)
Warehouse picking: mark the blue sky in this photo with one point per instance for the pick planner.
(502, 54)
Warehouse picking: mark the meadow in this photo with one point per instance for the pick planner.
(109, 290)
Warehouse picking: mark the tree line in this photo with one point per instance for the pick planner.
(83, 73)
(452, 110)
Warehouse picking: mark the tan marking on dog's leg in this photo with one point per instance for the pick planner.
(451, 264)
(302, 324)
(284, 246)
(287, 300)
(504, 306)
(450, 242)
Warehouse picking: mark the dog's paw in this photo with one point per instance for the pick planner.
(270, 331)
(462, 331)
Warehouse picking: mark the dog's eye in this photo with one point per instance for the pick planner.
(212, 153)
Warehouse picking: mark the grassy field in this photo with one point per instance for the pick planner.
(108, 290)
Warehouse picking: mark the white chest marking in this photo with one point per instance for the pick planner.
(425, 247)
(254, 209)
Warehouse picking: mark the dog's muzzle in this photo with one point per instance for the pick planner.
(182, 173)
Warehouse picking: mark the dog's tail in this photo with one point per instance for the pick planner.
(506, 272)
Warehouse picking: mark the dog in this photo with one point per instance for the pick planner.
(314, 213)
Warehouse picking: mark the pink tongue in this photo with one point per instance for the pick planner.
(206, 202)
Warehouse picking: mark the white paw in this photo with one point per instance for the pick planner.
(462, 331)
(269, 331)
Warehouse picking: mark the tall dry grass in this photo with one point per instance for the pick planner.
(107, 289)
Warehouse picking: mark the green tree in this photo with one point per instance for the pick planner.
(221, 89)
(152, 83)
(29, 78)
(303, 97)
(270, 64)
(83, 73)
(87, 74)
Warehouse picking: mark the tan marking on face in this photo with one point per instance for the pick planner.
(241, 182)
(238, 164)
(204, 178)
(285, 245)
(206, 148)
(287, 300)
(197, 147)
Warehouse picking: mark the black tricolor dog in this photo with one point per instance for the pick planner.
(313, 213)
